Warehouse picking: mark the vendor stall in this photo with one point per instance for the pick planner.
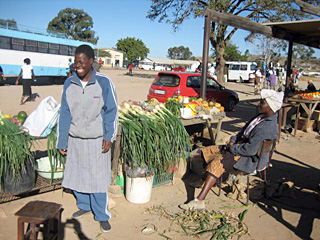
(308, 105)
(150, 135)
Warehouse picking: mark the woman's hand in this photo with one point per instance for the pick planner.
(17, 82)
(63, 151)
(106, 145)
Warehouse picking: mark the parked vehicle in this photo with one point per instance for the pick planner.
(179, 69)
(145, 65)
(49, 52)
(173, 84)
(240, 71)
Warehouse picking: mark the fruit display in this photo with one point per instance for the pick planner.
(309, 95)
(200, 106)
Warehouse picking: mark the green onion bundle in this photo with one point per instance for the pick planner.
(154, 138)
(15, 147)
(55, 157)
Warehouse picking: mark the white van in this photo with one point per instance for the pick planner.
(145, 65)
(240, 71)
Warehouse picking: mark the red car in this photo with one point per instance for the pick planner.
(179, 69)
(172, 84)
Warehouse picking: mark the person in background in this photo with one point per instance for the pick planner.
(130, 69)
(272, 79)
(311, 87)
(1, 74)
(240, 152)
(211, 70)
(257, 80)
(71, 68)
(87, 127)
(27, 74)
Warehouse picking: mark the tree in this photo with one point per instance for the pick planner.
(104, 53)
(268, 48)
(134, 49)
(302, 52)
(176, 11)
(75, 24)
(232, 53)
(8, 23)
(181, 52)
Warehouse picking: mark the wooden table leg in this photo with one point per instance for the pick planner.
(210, 131)
(20, 229)
(296, 121)
(218, 131)
(280, 120)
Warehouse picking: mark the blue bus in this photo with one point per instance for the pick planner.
(49, 53)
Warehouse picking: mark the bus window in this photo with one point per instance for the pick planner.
(243, 67)
(63, 50)
(5, 42)
(43, 47)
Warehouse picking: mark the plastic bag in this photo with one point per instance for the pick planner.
(41, 121)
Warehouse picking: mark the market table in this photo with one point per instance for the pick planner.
(185, 122)
(44, 185)
(309, 105)
(207, 121)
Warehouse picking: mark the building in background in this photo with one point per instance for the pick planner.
(116, 59)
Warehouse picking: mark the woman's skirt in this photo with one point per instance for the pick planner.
(87, 169)
(26, 84)
(218, 162)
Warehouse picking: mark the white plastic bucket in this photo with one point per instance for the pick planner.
(138, 190)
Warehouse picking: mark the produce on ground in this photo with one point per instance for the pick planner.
(217, 225)
(152, 136)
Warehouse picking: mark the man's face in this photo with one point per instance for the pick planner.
(83, 64)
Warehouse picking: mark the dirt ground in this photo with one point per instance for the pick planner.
(289, 216)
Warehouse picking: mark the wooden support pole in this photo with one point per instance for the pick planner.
(203, 88)
(116, 157)
(289, 61)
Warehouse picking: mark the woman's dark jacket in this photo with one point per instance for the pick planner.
(247, 148)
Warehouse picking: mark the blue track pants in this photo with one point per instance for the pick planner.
(95, 202)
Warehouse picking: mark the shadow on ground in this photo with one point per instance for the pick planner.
(302, 198)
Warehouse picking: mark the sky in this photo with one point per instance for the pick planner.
(116, 19)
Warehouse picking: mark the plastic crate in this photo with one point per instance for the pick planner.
(162, 179)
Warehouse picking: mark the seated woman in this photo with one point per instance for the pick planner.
(241, 151)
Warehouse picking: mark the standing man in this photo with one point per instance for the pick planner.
(130, 69)
(87, 127)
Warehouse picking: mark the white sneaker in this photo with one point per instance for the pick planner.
(193, 205)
